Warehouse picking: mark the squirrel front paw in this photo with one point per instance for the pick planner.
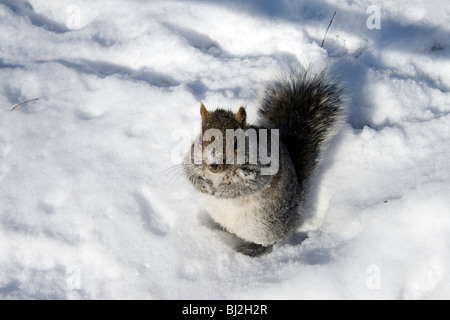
(254, 250)
(205, 186)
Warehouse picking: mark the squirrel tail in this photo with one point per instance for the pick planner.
(307, 109)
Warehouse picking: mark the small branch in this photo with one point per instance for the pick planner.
(18, 105)
(331, 21)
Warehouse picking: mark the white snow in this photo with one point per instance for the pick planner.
(94, 206)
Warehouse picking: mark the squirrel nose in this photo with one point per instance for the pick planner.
(214, 168)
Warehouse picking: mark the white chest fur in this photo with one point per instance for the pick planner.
(241, 216)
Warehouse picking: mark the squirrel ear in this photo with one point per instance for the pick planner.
(203, 112)
(241, 116)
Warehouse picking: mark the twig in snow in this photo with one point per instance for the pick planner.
(331, 21)
(18, 105)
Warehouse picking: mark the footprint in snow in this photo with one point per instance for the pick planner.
(197, 40)
(52, 201)
(151, 214)
(138, 130)
(88, 112)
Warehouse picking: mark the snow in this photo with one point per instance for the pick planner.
(94, 206)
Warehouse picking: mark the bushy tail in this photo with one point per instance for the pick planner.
(307, 110)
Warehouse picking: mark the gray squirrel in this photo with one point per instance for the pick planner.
(300, 113)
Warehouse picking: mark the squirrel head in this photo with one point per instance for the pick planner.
(221, 120)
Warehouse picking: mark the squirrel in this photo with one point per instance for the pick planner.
(302, 112)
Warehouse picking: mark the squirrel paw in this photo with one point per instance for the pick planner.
(254, 250)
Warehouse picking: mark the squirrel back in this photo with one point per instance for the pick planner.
(307, 109)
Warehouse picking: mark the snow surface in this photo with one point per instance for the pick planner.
(94, 206)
